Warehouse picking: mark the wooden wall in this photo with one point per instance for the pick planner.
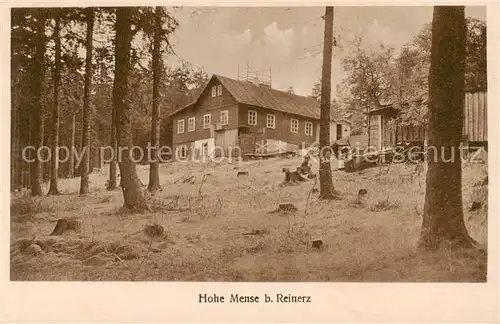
(475, 127)
(282, 126)
(476, 116)
(227, 140)
(206, 105)
(411, 133)
(374, 131)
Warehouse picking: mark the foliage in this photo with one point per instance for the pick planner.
(180, 84)
(369, 74)
(386, 76)
(316, 91)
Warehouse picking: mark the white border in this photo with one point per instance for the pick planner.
(177, 302)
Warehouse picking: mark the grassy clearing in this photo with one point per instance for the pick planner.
(209, 227)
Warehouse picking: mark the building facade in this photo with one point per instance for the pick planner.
(233, 118)
(474, 131)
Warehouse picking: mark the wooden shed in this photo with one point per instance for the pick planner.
(476, 117)
(474, 129)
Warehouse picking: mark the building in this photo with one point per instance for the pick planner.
(233, 117)
(474, 130)
(340, 128)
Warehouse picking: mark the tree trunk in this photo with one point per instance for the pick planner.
(54, 160)
(97, 153)
(112, 164)
(443, 220)
(15, 132)
(131, 186)
(84, 171)
(325, 172)
(369, 121)
(71, 170)
(30, 153)
(154, 171)
(36, 93)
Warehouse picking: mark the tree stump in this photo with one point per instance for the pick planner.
(293, 177)
(189, 180)
(153, 230)
(34, 250)
(287, 207)
(311, 176)
(318, 245)
(475, 205)
(304, 169)
(64, 225)
(360, 198)
(242, 173)
(257, 232)
(482, 183)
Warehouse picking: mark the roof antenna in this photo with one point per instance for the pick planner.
(270, 77)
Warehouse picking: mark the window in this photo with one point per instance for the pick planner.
(217, 90)
(309, 128)
(204, 147)
(191, 124)
(294, 125)
(271, 121)
(182, 152)
(180, 126)
(252, 117)
(207, 119)
(224, 117)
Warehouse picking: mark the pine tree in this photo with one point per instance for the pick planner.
(327, 190)
(54, 161)
(36, 92)
(84, 171)
(154, 172)
(443, 220)
(130, 183)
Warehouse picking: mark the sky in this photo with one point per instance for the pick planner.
(289, 40)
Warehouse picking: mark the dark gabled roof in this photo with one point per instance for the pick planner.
(182, 108)
(379, 110)
(390, 108)
(263, 96)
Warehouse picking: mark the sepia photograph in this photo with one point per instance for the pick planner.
(249, 144)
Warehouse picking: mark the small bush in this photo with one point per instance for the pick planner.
(29, 207)
(383, 205)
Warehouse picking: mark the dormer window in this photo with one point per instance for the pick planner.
(217, 91)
